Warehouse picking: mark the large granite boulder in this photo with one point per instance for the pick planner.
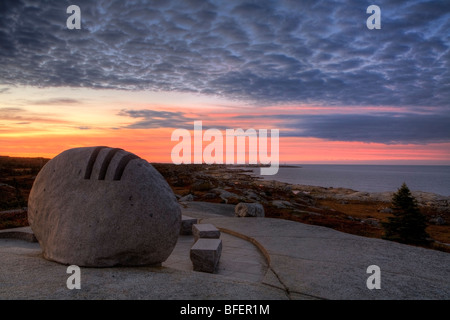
(243, 209)
(102, 207)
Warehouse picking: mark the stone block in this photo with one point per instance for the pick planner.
(205, 230)
(186, 225)
(205, 254)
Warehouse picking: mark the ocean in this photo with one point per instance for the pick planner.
(368, 178)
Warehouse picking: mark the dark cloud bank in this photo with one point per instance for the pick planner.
(267, 52)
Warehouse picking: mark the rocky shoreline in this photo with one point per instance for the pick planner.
(346, 210)
(342, 209)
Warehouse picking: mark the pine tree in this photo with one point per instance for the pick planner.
(408, 224)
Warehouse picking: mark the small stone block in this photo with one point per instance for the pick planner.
(186, 225)
(206, 230)
(205, 255)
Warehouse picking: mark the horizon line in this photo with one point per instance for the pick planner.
(290, 163)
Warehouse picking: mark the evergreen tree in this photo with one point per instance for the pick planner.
(408, 224)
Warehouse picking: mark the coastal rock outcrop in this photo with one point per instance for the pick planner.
(102, 207)
(188, 197)
(249, 210)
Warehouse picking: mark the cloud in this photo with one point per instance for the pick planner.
(151, 119)
(10, 110)
(23, 116)
(386, 128)
(269, 51)
(11, 113)
(55, 101)
(261, 53)
(375, 127)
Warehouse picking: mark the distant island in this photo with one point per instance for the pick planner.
(261, 165)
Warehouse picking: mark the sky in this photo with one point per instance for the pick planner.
(137, 70)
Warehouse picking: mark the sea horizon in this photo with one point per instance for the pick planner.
(366, 177)
(432, 178)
